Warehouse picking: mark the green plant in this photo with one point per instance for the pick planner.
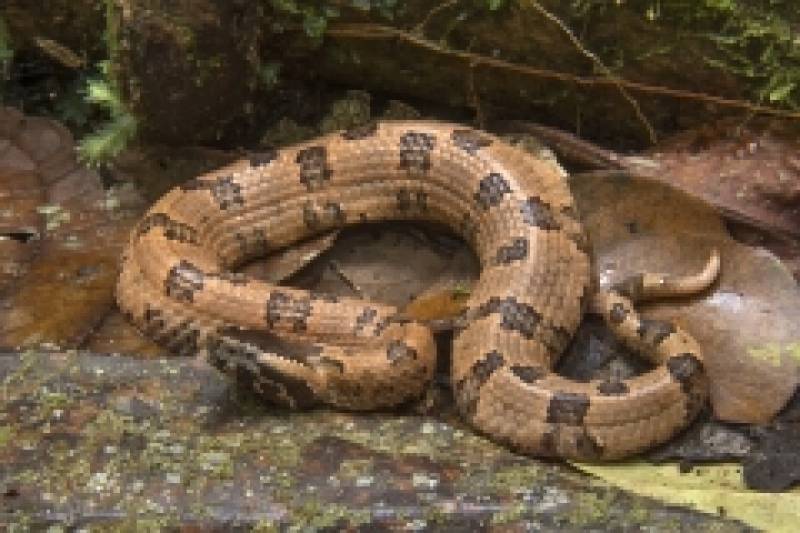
(754, 40)
(6, 51)
(313, 15)
(760, 44)
(110, 139)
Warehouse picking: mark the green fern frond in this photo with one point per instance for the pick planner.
(110, 139)
(107, 142)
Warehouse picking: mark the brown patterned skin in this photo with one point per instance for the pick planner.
(299, 349)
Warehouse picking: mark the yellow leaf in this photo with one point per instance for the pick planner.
(711, 489)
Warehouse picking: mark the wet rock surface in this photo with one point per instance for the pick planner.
(120, 442)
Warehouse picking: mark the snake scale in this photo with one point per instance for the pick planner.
(298, 348)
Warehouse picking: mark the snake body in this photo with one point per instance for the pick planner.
(299, 349)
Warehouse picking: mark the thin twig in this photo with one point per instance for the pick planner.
(473, 97)
(567, 146)
(377, 31)
(337, 269)
(604, 69)
(419, 28)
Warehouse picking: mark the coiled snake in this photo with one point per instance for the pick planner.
(299, 349)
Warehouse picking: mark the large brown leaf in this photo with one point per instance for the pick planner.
(62, 234)
(746, 323)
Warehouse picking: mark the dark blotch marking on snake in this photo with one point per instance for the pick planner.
(653, 332)
(327, 215)
(260, 159)
(183, 280)
(618, 313)
(364, 131)
(234, 278)
(631, 287)
(685, 368)
(587, 446)
(467, 390)
(567, 408)
(415, 151)
(536, 212)
(226, 192)
(398, 318)
(491, 190)
(516, 251)
(314, 169)
(398, 351)
(323, 297)
(252, 245)
(519, 317)
(173, 230)
(282, 307)
(469, 140)
(583, 443)
(366, 317)
(408, 200)
(612, 388)
(528, 374)
(181, 338)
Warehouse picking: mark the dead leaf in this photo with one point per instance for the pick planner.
(746, 323)
(750, 171)
(66, 290)
(281, 265)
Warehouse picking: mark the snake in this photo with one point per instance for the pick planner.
(300, 349)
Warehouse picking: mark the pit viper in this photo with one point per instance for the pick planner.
(300, 349)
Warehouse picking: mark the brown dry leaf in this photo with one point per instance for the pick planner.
(746, 323)
(750, 171)
(60, 296)
(21, 193)
(391, 264)
(281, 265)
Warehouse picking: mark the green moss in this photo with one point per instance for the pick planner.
(314, 515)
(6, 435)
(753, 40)
(590, 508)
(511, 513)
(517, 478)
(352, 110)
(6, 54)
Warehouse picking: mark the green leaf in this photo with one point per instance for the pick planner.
(107, 142)
(781, 92)
(314, 25)
(269, 73)
(287, 6)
